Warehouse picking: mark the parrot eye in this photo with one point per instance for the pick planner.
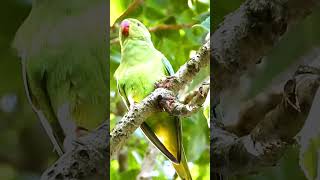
(138, 24)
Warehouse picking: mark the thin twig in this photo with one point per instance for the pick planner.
(132, 7)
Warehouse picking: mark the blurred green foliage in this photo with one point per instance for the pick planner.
(177, 46)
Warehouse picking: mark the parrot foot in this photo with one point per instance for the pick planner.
(167, 103)
(167, 83)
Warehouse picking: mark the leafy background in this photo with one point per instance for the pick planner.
(177, 46)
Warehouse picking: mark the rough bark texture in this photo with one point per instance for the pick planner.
(186, 72)
(278, 121)
(88, 160)
(241, 41)
(247, 34)
(149, 161)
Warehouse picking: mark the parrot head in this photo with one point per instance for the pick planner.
(133, 29)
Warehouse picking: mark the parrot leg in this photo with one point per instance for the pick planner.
(167, 103)
(166, 83)
(68, 125)
(71, 141)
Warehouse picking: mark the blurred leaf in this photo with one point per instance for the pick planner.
(153, 13)
(204, 24)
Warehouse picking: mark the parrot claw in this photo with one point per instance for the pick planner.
(167, 103)
(77, 142)
(167, 83)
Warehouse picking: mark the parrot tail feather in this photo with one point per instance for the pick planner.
(182, 168)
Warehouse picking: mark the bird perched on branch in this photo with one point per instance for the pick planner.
(141, 67)
(64, 67)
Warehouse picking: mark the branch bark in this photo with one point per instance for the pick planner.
(148, 163)
(241, 41)
(246, 35)
(88, 160)
(273, 132)
(186, 72)
(132, 7)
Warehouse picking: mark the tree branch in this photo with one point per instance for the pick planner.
(273, 132)
(186, 72)
(148, 163)
(241, 41)
(132, 7)
(246, 35)
(89, 158)
(162, 27)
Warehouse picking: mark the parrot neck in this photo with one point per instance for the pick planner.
(132, 42)
(129, 49)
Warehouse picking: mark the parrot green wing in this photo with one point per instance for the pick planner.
(42, 114)
(168, 66)
(123, 95)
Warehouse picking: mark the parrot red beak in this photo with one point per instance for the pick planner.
(125, 27)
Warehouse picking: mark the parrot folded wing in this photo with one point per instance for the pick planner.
(167, 65)
(41, 115)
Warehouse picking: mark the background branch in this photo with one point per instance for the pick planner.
(132, 7)
(246, 35)
(268, 139)
(148, 163)
(170, 27)
(241, 41)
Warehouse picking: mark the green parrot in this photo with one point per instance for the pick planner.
(64, 67)
(141, 67)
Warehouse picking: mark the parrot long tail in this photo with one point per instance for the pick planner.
(182, 168)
